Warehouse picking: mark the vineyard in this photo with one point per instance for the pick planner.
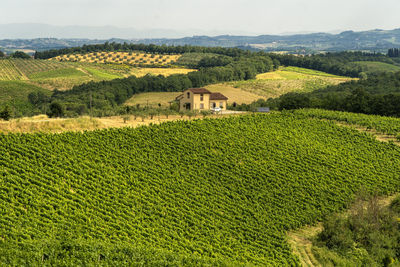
(129, 58)
(385, 125)
(20, 69)
(204, 192)
(51, 74)
(8, 71)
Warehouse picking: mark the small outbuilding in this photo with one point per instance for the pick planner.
(263, 109)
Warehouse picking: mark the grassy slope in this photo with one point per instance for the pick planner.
(270, 84)
(372, 66)
(224, 189)
(15, 94)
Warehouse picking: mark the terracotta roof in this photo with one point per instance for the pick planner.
(199, 91)
(217, 96)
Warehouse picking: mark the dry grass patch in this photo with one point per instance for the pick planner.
(237, 95)
(140, 72)
(57, 125)
(152, 99)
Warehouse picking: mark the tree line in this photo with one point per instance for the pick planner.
(333, 63)
(394, 52)
(163, 49)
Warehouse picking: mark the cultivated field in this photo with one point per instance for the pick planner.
(51, 74)
(128, 58)
(219, 192)
(289, 79)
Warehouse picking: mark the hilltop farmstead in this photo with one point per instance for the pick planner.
(201, 99)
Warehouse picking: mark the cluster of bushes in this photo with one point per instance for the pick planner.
(368, 236)
(16, 54)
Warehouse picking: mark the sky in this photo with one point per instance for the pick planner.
(229, 16)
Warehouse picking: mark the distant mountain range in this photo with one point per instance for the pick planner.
(373, 40)
(37, 30)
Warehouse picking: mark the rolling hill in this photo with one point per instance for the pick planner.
(205, 192)
(372, 40)
(266, 85)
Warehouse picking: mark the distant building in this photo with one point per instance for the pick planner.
(201, 99)
(263, 109)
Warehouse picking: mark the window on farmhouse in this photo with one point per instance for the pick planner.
(201, 106)
(201, 97)
(213, 104)
(188, 95)
(221, 104)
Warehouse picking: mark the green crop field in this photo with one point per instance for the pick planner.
(204, 192)
(372, 66)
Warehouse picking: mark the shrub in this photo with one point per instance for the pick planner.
(5, 114)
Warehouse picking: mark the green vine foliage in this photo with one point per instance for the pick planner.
(204, 192)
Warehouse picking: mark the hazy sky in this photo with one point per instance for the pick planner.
(250, 16)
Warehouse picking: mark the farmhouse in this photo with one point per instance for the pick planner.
(201, 99)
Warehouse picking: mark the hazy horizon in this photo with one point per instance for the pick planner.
(214, 17)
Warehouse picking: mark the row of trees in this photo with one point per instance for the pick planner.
(394, 52)
(163, 49)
